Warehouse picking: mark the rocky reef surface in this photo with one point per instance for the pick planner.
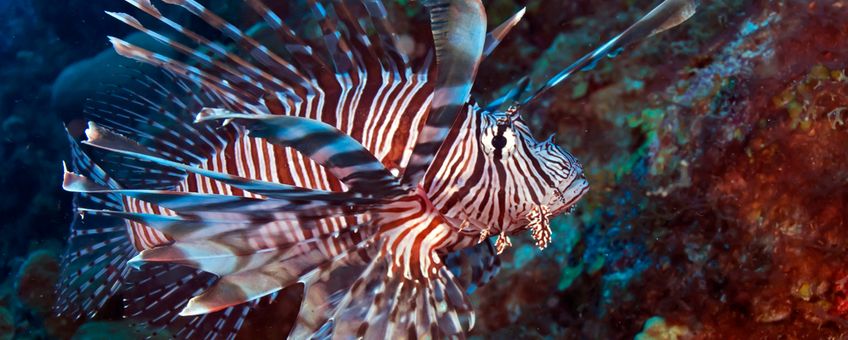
(716, 153)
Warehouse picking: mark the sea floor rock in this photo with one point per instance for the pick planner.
(110, 330)
(7, 324)
(657, 328)
(36, 281)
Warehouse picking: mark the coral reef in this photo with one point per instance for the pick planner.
(656, 328)
(7, 324)
(36, 280)
(107, 330)
(716, 155)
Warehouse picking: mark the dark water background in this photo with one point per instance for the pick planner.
(39, 39)
(716, 152)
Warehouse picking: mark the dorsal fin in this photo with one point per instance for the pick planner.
(459, 30)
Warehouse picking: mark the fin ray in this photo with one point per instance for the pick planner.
(94, 264)
(107, 140)
(459, 29)
(666, 15)
(340, 154)
(494, 38)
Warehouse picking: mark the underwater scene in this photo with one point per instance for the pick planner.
(404, 169)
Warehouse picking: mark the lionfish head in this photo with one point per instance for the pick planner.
(548, 179)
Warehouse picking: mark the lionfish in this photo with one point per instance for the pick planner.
(338, 163)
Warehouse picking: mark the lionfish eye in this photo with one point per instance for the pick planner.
(499, 140)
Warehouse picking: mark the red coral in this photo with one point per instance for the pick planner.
(840, 295)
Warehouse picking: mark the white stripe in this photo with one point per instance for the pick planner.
(386, 136)
(368, 129)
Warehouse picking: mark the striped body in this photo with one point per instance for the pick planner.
(389, 104)
(501, 205)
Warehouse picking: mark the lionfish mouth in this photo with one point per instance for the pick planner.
(573, 193)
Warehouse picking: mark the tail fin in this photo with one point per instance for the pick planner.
(95, 262)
